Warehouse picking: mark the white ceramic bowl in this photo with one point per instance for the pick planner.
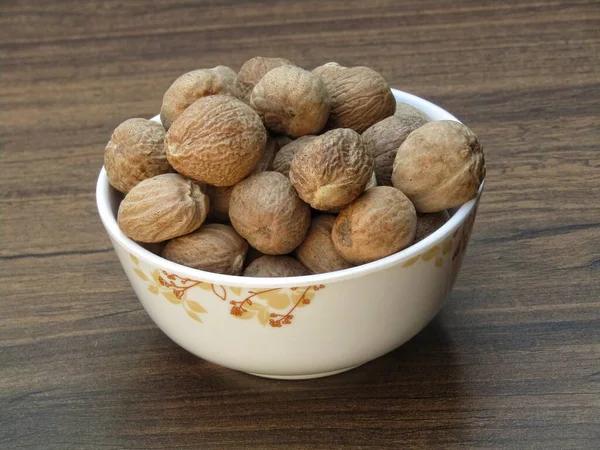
(297, 327)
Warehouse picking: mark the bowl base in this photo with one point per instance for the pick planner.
(307, 376)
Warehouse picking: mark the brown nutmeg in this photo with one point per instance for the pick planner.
(153, 247)
(219, 202)
(317, 251)
(332, 170)
(266, 160)
(162, 208)
(275, 266)
(429, 223)
(193, 85)
(135, 152)
(266, 210)
(384, 138)
(252, 72)
(380, 223)
(360, 97)
(283, 158)
(292, 101)
(218, 140)
(214, 247)
(439, 166)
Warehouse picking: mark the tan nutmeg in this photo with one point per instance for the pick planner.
(332, 170)
(135, 152)
(266, 210)
(291, 101)
(275, 266)
(218, 140)
(213, 247)
(360, 97)
(439, 166)
(252, 72)
(161, 208)
(406, 110)
(192, 86)
(317, 251)
(380, 223)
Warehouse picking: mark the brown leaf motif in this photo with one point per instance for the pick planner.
(273, 307)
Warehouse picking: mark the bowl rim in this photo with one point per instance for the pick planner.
(103, 193)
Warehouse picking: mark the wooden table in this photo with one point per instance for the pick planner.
(512, 361)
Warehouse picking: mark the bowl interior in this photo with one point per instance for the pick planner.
(108, 200)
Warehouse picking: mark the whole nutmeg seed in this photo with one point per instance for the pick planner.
(219, 202)
(218, 140)
(135, 152)
(383, 139)
(275, 266)
(193, 85)
(429, 223)
(266, 210)
(380, 223)
(439, 166)
(252, 72)
(332, 170)
(162, 208)
(317, 251)
(406, 110)
(214, 247)
(283, 158)
(266, 160)
(360, 97)
(292, 101)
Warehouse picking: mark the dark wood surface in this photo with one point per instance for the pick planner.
(512, 361)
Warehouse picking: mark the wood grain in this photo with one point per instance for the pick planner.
(512, 361)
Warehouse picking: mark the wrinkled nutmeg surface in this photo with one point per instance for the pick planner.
(266, 210)
(439, 166)
(380, 223)
(283, 158)
(317, 251)
(275, 266)
(214, 247)
(218, 140)
(135, 152)
(384, 138)
(360, 97)
(291, 101)
(161, 208)
(332, 170)
(252, 72)
(406, 110)
(193, 85)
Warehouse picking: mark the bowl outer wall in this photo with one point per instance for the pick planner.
(360, 313)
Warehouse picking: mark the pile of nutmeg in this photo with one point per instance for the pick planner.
(280, 171)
